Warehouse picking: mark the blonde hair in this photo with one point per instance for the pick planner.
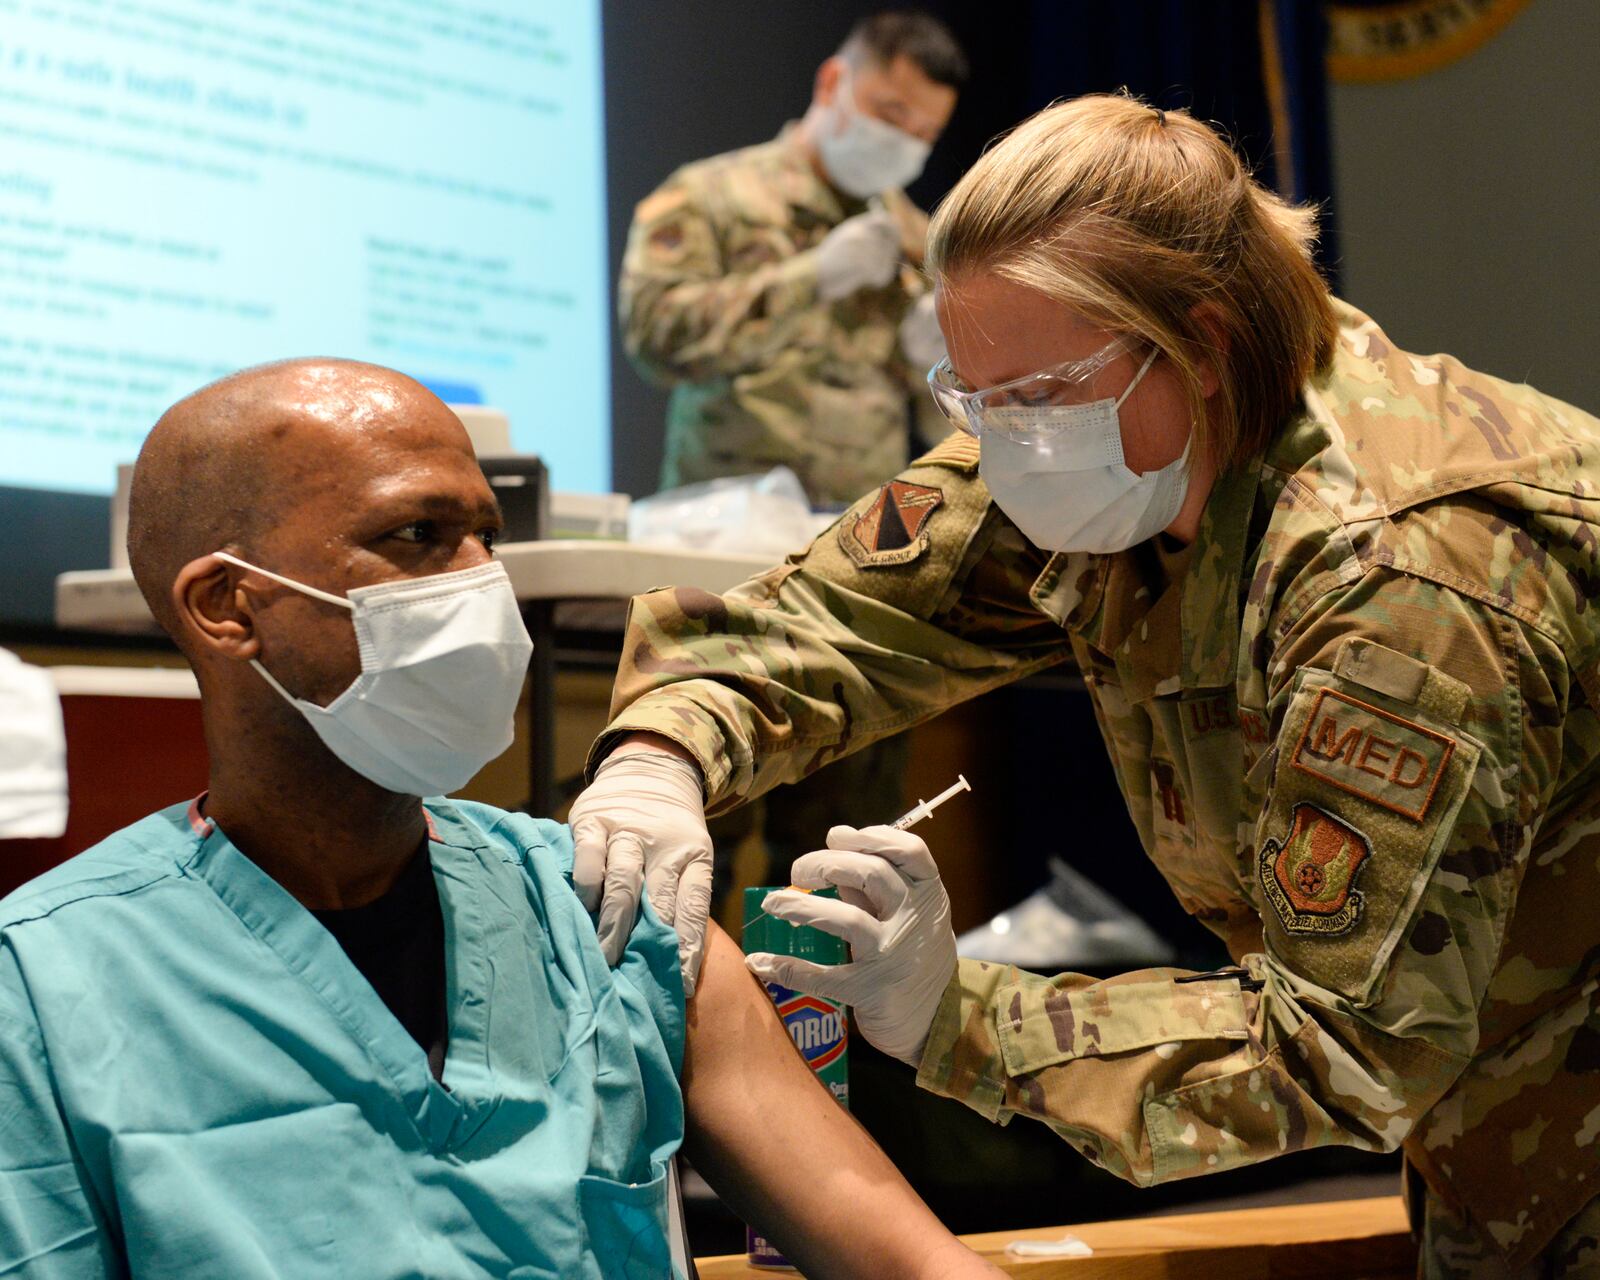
(1146, 223)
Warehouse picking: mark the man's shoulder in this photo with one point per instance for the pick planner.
(542, 851)
(515, 837)
(126, 861)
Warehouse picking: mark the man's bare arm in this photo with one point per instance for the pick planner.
(787, 1157)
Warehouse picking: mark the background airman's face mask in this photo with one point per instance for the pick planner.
(442, 662)
(862, 154)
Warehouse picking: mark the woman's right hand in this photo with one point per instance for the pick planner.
(893, 911)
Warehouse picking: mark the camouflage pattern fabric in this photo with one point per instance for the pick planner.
(1453, 1249)
(1357, 735)
(718, 300)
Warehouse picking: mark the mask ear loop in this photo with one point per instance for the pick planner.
(1137, 379)
(288, 582)
(298, 586)
(283, 693)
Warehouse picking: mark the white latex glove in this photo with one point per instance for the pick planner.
(893, 912)
(641, 827)
(861, 252)
(921, 340)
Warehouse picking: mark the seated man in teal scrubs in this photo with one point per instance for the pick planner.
(309, 1025)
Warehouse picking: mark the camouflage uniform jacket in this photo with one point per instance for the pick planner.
(1358, 737)
(718, 299)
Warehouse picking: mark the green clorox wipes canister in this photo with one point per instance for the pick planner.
(818, 1027)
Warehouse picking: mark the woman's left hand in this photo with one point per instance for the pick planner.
(893, 911)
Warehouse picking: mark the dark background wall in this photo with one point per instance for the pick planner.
(43, 534)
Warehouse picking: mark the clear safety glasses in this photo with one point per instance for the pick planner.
(1060, 385)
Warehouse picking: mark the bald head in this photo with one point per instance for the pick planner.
(249, 457)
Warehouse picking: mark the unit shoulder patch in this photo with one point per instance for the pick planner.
(1309, 875)
(1364, 801)
(1381, 757)
(893, 529)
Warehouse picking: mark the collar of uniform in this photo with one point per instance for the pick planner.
(448, 825)
(1096, 596)
(443, 1116)
(807, 190)
(1209, 613)
(1142, 630)
(273, 915)
(1104, 600)
(1070, 589)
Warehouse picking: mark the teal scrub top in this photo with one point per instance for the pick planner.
(196, 1081)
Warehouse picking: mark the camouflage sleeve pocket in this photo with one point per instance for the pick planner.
(1041, 1024)
(1372, 771)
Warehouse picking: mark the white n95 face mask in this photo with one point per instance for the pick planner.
(1057, 472)
(863, 155)
(442, 662)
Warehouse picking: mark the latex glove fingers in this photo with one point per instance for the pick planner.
(665, 871)
(878, 229)
(855, 926)
(876, 883)
(694, 910)
(908, 853)
(640, 827)
(589, 862)
(856, 899)
(830, 981)
(861, 252)
(624, 883)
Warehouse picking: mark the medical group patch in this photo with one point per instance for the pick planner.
(892, 529)
(1380, 757)
(1309, 876)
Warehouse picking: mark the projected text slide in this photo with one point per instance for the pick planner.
(191, 186)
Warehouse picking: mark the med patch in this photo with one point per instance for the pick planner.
(893, 528)
(1363, 800)
(1309, 875)
(1391, 761)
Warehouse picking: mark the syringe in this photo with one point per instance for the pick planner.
(916, 813)
(924, 808)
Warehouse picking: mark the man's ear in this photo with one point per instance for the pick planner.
(826, 83)
(1214, 350)
(213, 610)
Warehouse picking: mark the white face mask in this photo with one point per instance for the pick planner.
(1061, 478)
(442, 662)
(863, 155)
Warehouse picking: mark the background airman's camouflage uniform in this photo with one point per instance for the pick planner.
(1357, 734)
(718, 300)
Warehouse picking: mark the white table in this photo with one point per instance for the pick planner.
(107, 600)
(542, 574)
